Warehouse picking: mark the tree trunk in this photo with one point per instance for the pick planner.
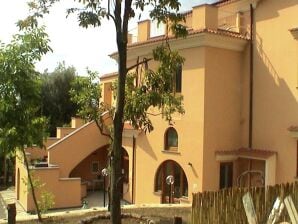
(4, 170)
(31, 185)
(121, 32)
(117, 142)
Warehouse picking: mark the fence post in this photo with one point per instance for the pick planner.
(11, 213)
(177, 220)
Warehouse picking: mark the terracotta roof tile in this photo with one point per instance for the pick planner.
(108, 75)
(190, 33)
(246, 152)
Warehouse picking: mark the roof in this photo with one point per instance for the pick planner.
(246, 152)
(190, 33)
(108, 75)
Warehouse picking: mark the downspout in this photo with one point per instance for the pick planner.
(133, 168)
(251, 85)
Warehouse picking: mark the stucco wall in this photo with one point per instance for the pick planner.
(275, 83)
(66, 191)
(77, 146)
(222, 109)
(150, 147)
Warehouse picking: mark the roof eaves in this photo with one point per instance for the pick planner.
(192, 32)
(108, 75)
(224, 2)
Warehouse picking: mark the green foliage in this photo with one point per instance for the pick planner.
(55, 98)
(164, 11)
(20, 90)
(86, 93)
(46, 201)
(155, 90)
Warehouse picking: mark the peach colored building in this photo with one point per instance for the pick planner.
(239, 83)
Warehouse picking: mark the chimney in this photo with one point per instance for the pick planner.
(205, 17)
(144, 30)
(129, 38)
(239, 22)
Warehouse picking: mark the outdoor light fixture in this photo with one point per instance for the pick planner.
(170, 181)
(190, 164)
(104, 173)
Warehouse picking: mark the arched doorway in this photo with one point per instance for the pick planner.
(180, 186)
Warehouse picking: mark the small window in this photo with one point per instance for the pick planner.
(95, 167)
(178, 80)
(171, 139)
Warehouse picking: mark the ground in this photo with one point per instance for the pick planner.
(163, 214)
(157, 212)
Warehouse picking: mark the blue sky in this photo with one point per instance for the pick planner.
(76, 46)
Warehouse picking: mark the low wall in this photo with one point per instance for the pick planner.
(66, 191)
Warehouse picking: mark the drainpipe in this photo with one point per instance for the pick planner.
(133, 168)
(251, 76)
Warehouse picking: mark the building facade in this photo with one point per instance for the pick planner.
(239, 83)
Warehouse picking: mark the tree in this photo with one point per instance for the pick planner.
(155, 89)
(20, 122)
(55, 98)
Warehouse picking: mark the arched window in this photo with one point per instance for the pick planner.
(180, 186)
(171, 139)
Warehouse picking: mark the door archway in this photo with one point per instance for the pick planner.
(180, 186)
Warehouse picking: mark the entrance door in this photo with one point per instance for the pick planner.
(171, 193)
(226, 175)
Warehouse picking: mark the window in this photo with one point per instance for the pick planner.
(171, 139)
(226, 175)
(178, 80)
(95, 167)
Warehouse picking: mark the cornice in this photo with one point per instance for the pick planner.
(192, 41)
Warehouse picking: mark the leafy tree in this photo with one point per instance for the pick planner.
(55, 98)
(132, 101)
(20, 123)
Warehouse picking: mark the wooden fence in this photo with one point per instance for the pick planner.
(226, 207)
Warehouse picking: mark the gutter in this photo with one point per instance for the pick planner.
(251, 78)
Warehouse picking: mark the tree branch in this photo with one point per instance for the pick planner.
(109, 12)
(139, 63)
(102, 131)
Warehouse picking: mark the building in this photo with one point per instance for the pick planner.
(240, 126)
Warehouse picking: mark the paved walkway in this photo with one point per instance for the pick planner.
(6, 197)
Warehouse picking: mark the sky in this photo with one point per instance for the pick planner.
(76, 46)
